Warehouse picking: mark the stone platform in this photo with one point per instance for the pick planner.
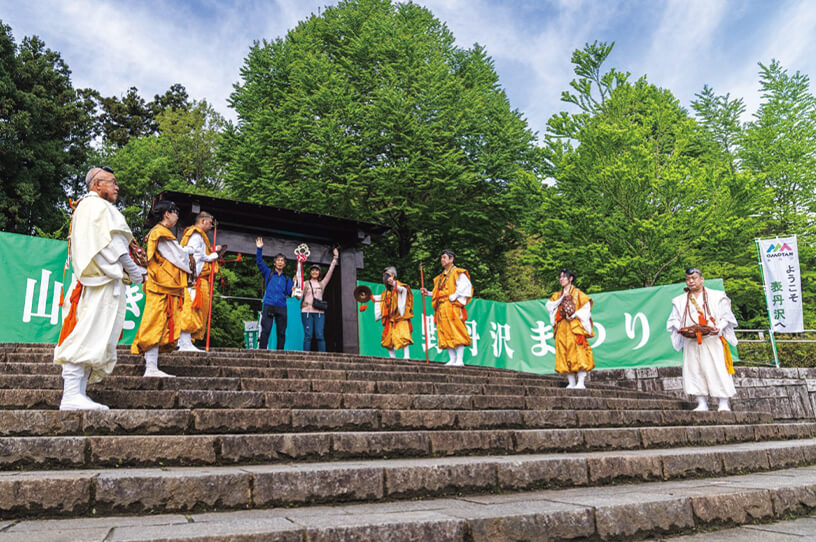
(250, 445)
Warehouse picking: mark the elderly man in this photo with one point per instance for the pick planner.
(395, 307)
(102, 266)
(701, 325)
(197, 299)
(451, 292)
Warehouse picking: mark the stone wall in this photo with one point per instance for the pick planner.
(785, 393)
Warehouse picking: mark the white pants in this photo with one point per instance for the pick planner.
(100, 317)
(704, 371)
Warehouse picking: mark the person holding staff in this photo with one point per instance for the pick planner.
(168, 264)
(451, 292)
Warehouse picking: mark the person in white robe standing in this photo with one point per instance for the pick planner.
(706, 362)
(94, 309)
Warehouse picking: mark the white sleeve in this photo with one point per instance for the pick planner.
(175, 253)
(552, 308)
(402, 298)
(584, 314)
(200, 252)
(674, 323)
(107, 259)
(377, 309)
(464, 289)
(727, 321)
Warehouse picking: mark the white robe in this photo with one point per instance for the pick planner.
(99, 236)
(704, 371)
(402, 298)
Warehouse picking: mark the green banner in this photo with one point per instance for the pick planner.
(630, 325)
(630, 331)
(32, 271)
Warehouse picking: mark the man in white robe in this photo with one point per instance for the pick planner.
(705, 371)
(102, 268)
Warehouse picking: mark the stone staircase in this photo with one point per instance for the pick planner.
(257, 445)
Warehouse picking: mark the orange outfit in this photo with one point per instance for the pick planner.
(396, 327)
(449, 316)
(195, 311)
(572, 351)
(164, 293)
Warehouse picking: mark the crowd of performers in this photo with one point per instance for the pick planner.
(176, 275)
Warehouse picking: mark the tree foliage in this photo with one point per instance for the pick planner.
(44, 126)
(369, 111)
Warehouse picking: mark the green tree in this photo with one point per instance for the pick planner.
(43, 134)
(131, 115)
(190, 137)
(370, 112)
(639, 190)
(778, 148)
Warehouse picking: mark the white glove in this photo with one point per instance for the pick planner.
(297, 292)
(134, 272)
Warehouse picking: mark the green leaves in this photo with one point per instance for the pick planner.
(370, 112)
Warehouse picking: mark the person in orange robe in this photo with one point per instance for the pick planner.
(573, 326)
(168, 264)
(451, 292)
(197, 299)
(395, 307)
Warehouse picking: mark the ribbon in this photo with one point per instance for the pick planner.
(198, 302)
(301, 259)
(71, 321)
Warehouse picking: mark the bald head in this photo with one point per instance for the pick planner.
(102, 181)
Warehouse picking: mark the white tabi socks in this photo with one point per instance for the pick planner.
(73, 397)
(702, 404)
(452, 355)
(460, 355)
(406, 354)
(724, 406)
(152, 364)
(185, 343)
(581, 377)
(570, 380)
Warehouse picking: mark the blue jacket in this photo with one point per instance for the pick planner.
(278, 286)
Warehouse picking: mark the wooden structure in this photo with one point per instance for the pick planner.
(282, 231)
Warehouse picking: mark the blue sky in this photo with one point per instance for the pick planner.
(678, 44)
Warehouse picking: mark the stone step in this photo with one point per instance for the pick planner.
(794, 530)
(621, 512)
(360, 370)
(11, 371)
(182, 490)
(210, 448)
(212, 421)
(54, 382)
(184, 398)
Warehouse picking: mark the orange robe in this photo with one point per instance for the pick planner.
(449, 316)
(572, 351)
(195, 312)
(396, 327)
(164, 293)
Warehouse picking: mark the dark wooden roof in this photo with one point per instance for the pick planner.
(275, 221)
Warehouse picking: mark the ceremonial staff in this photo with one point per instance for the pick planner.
(424, 318)
(212, 281)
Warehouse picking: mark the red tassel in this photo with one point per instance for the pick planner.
(363, 307)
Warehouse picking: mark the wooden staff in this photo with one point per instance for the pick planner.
(212, 285)
(424, 318)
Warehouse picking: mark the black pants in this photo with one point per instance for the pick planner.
(278, 314)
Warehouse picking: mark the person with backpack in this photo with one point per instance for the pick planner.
(277, 287)
(395, 308)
